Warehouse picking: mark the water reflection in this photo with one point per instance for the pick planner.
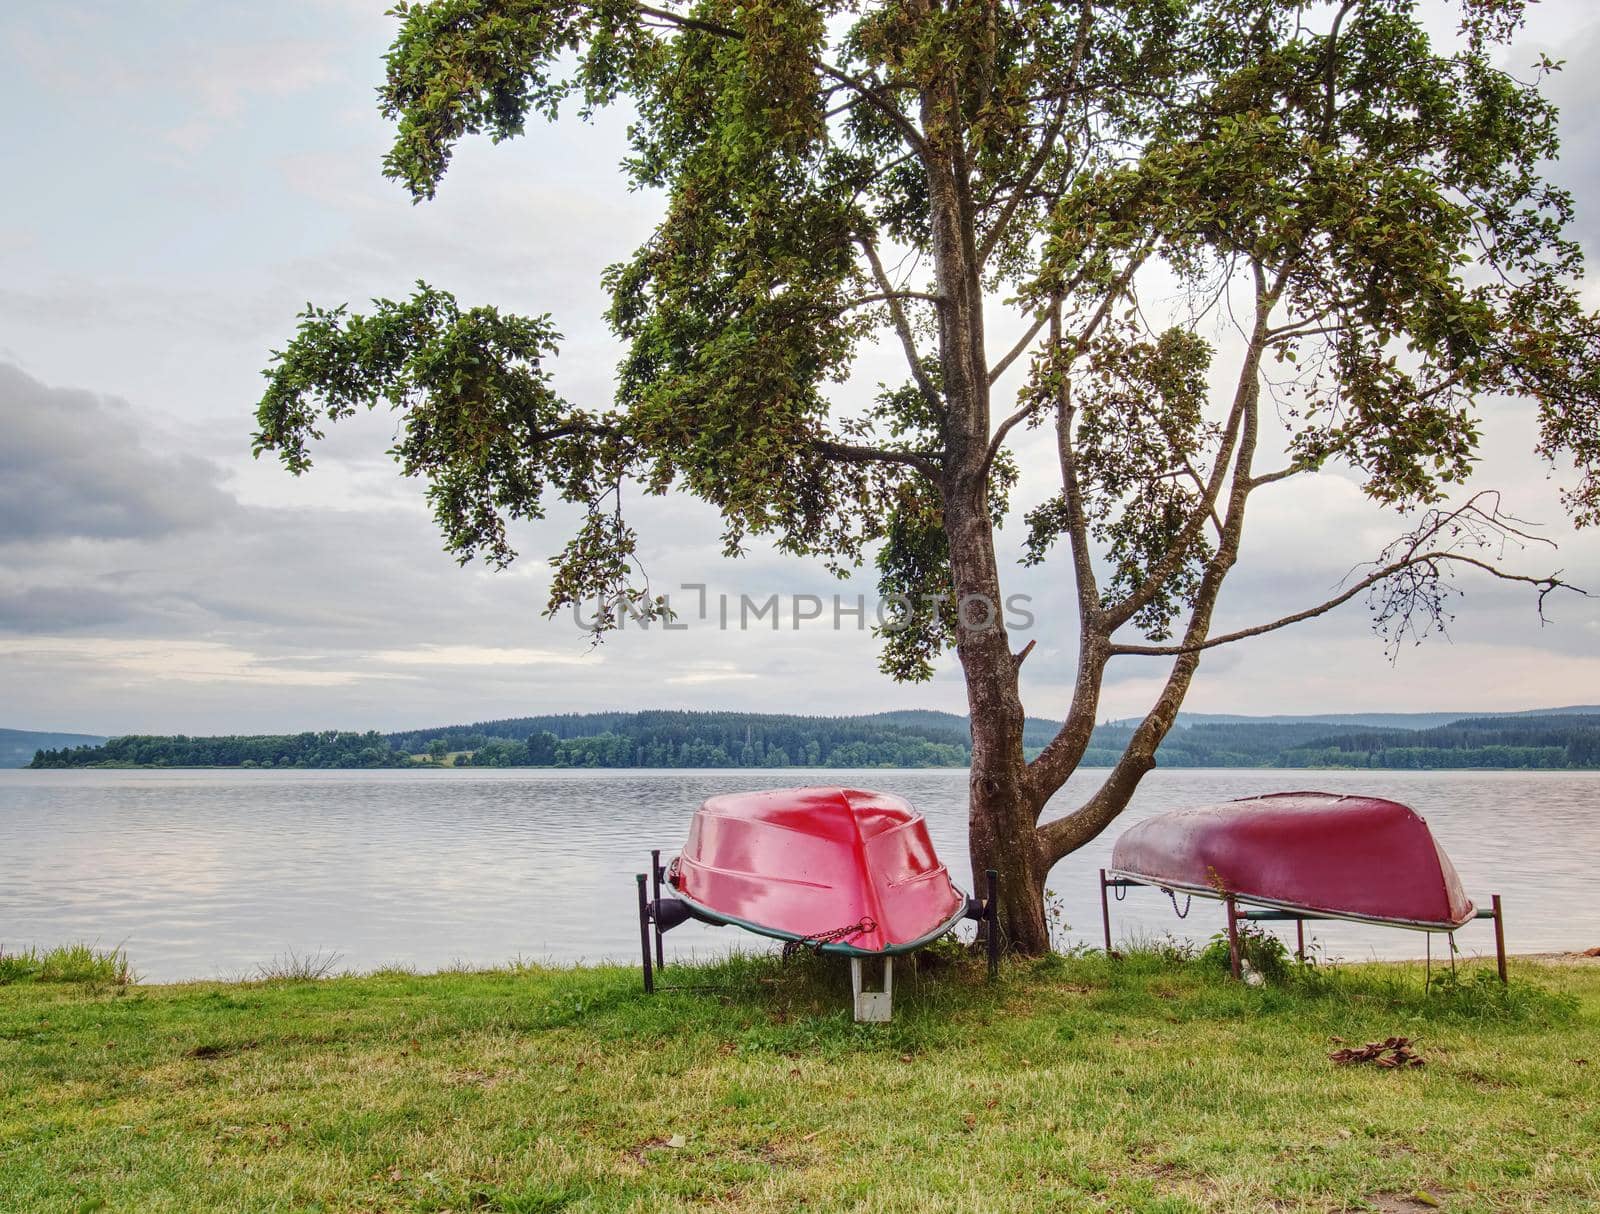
(204, 873)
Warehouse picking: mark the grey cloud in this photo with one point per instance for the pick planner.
(39, 609)
(75, 465)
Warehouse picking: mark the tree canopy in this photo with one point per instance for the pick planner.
(1352, 220)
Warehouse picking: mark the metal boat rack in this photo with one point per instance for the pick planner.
(1237, 910)
(658, 915)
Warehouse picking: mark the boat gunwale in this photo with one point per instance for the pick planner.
(1210, 891)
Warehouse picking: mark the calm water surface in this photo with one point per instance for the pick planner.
(206, 873)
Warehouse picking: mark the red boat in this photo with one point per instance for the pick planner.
(838, 869)
(1332, 856)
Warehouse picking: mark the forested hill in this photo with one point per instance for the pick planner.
(898, 739)
(18, 746)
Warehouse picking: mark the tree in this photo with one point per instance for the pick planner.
(1365, 208)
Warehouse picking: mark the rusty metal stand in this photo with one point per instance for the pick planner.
(1269, 914)
(986, 911)
(1234, 959)
(656, 873)
(644, 936)
(1499, 938)
(1105, 911)
(991, 917)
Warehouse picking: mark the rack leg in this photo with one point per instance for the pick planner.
(1233, 938)
(644, 936)
(1499, 938)
(1300, 939)
(1105, 911)
(872, 1007)
(655, 900)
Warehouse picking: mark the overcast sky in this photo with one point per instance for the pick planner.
(182, 177)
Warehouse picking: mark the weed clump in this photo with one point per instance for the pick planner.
(79, 962)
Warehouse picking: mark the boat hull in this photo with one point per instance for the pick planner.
(845, 870)
(1361, 858)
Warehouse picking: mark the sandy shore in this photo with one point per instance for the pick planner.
(1591, 957)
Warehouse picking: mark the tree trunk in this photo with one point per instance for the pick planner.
(1002, 812)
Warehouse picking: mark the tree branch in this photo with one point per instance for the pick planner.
(1073, 830)
(1047, 141)
(1015, 352)
(851, 453)
(902, 326)
(1282, 474)
(870, 94)
(861, 301)
(1053, 316)
(1241, 423)
(1062, 754)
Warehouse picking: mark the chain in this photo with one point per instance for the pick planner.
(1188, 900)
(815, 942)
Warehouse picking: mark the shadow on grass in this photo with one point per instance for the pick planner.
(759, 1003)
(1196, 984)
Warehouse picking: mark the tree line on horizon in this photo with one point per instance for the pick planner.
(750, 740)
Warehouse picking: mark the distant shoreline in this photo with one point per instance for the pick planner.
(681, 740)
(470, 768)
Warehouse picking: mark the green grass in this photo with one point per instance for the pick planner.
(1149, 1084)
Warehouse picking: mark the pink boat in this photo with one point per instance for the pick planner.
(853, 871)
(835, 870)
(1344, 857)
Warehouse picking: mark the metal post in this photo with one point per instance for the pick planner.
(1499, 938)
(991, 914)
(655, 901)
(644, 937)
(1105, 911)
(1233, 937)
(1300, 939)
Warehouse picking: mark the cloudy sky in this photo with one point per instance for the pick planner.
(182, 177)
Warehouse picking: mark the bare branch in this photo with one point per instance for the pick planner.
(1545, 585)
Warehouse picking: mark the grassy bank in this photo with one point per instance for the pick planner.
(1145, 1085)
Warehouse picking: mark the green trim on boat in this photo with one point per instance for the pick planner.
(706, 915)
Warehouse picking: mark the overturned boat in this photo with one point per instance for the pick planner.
(1346, 857)
(836, 870)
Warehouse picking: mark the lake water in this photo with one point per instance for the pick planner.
(210, 873)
